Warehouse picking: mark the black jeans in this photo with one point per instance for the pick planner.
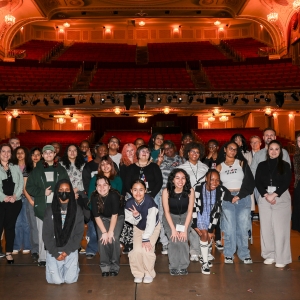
(8, 217)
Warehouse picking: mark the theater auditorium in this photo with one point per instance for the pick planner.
(208, 87)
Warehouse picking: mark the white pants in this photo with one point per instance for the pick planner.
(64, 271)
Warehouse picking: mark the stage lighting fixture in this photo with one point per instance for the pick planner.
(279, 98)
(142, 100)
(56, 101)
(294, 96)
(35, 102)
(102, 100)
(267, 99)
(174, 96)
(235, 100)
(92, 100)
(19, 98)
(113, 99)
(24, 102)
(3, 101)
(159, 99)
(262, 96)
(222, 100)
(46, 102)
(82, 100)
(118, 100)
(127, 101)
(256, 99)
(179, 99)
(245, 100)
(190, 98)
(169, 99)
(151, 97)
(13, 102)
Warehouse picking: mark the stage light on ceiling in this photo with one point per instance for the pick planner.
(13, 102)
(35, 102)
(179, 99)
(127, 101)
(235, 100)
(24, 102)
(151, 97)
(102, 100)
(56, 101)
(268, 99)
(46, 102)
(245, 100)
(256, 99)
(294, 96)
(142, 100)
(82, 100)
(92, 100)
(279, 99)
(169, 98)
(159, 99)
(190, 98)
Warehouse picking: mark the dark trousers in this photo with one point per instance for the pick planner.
(8, 217)
(218, 232)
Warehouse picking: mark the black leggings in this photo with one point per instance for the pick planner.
(8, 217)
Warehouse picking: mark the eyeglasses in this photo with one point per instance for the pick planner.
(211, 147)
(232, 149)
(114, 142)
(145, 151)
(167, 149)
(195, 152)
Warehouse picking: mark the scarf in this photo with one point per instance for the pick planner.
(63, 234)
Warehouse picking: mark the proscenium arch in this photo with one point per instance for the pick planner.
(12, 31)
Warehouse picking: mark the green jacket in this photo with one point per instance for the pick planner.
(17, 179)
(37, 184)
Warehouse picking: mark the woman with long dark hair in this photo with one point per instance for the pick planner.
(237, 177)
(109, 217)
(128, 158)
(11, 188)
(142, 212)
(240, 140)
(63, 228)
(21, 158)
(178, 200)
(272, 181)
(155, 143)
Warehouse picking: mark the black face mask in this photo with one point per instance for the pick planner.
(64, 195)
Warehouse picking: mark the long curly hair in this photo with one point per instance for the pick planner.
(125, 160)
(27, 159)
(193, 145)
(113, 172)
(79, 161)
(171, 186)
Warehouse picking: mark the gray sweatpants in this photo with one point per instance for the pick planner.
(178, 252)
(42, 251)
(275, 228)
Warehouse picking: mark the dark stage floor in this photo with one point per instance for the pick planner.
(24, 280)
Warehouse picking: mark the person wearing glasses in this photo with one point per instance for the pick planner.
(196, 170)
(167, 161)
(145, 170)
(237, 177)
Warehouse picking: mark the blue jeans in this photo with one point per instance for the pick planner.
(235, 223)
(22, 230)
(92, 239)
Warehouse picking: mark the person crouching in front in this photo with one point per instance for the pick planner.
(63, 228)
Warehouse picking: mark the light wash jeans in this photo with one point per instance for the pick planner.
(22, 230)
(91, 237)
(34, 234)
(235, 223)
(163, 237)
(64, 271)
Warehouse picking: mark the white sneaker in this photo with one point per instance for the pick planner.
(194, 257)
(228, 260)
(269, 261)
(219, 245)
(205, 269)
(280, 265)
(26, 251)
(164, 249)
(15, 252)
(248, 260)
(210, 257)
(147, 279)
(138, 280)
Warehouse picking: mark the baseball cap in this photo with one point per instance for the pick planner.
(48, 147)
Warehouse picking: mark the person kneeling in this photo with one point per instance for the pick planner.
(209, 196)
(62, 233)
(142, 212)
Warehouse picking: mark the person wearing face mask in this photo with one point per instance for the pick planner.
(109, 217)
(40, 184)
(63, 228)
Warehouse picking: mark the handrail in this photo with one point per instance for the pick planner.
(265, 51)
(18, 53)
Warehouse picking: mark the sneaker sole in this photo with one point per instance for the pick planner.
(205, 273)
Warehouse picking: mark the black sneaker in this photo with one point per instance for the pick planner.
(202, 262)
(205, 269)
(42, 264)
(228, 260)
(35, 257)
(174, 272)
(183, 272)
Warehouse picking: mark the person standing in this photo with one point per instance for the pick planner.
(272, 181)
(178, 199)
(109, 217)
(113, 147)
(11, 188)
(236, 176)
(40, 184)
(22, 158)
(63, 228)
(14, 143)
(296, 200)
(86, 151)
(196, 170)
(142, 212)
(155, 142)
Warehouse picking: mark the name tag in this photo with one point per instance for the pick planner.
(180, 228)
(271, 189)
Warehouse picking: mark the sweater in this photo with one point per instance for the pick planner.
(148, 217)
(37, 184)
(268, 168)
(196, 172)
(152, 177)
(49, 236)
(17, 178)
(222, 194)
(168, 164)
(261, 155)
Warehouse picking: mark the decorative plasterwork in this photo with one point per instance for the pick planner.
(141, 3)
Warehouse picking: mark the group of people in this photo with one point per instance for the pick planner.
(184, 198)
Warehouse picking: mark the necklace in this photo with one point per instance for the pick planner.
(144, 165)
(229, 165)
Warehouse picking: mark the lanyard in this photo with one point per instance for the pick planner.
(193, 171)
